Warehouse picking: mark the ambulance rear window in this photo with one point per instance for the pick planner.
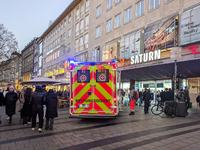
(102, 75)
(83, 76)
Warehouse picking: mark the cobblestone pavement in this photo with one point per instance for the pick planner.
(138, 132)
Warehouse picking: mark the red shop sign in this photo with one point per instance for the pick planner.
(193, 49)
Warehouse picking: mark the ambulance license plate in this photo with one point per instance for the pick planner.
(83, 106)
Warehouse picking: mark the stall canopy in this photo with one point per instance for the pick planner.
(185, 69)
(41, 80)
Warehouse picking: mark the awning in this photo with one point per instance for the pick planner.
(185, 69)
(41, 80)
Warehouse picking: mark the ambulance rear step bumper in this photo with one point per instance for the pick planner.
(92, 116)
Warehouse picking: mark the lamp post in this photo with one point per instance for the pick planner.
(176, 54)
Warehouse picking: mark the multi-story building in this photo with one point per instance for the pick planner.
(139, 34)
(9, 71)
(28, 60)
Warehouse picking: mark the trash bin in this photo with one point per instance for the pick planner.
(181, 109)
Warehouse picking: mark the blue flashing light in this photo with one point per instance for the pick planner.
(113, 61)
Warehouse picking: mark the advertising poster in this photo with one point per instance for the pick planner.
(161, 35)
(190, 26)
(130, 45)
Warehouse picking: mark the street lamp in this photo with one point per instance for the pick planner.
(176, 54)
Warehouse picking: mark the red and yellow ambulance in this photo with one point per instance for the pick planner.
(93, 89)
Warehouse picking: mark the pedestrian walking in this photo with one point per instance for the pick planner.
(146, 99)
(51, 112)
(27, 107)
(198, 101)
(1, 103)
(37, 101)
(10, 103)
(22, 100)
(187, 98)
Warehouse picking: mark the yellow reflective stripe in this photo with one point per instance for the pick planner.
(81, 109)
(102, 105)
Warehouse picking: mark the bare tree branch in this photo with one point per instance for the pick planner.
(8, 43)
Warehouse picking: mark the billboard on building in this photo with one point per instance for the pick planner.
(161, 35)
(190, 26)
(111, 50)
(130, 45)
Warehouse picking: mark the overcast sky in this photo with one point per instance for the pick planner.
(27, 19)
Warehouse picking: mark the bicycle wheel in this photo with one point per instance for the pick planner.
(157, 109)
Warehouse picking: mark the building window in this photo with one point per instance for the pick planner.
(117, 1)
(61, 26)
(96, 54)
(64, 36)
(69, 47)
(154, 4)
(77, 29)
(118, 21)
(64, 22)
(87, 22)
(86, 41)
(128, 15)
(69, 19)
(77, 45)
(167, 1)
(81, 26)
(109, 26)
(69, 33)
(98, 32)
(140, 8)
(82, 9)
(81, 43)
(98, 11)
(77, 13)
(87, 6)
(58, 28)
(109, 4)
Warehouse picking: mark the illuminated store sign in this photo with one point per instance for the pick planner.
(151, 56)
(193, 49)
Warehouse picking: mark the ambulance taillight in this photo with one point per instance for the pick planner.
(114, 66)
(108, 63)
(71, 101)
(115, 100)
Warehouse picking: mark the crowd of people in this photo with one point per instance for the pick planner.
(146, 96)
(34, 106)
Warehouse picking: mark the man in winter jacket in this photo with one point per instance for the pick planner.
(44, 106)
(37, 99)
(187, 98)
(147, 99)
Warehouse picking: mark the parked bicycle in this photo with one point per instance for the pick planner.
(159, 108)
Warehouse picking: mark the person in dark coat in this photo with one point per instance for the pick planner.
(10, 103)
(51, 113)
(37, 100)
(167, 95)
(171, 94)
(27, 107)
(187, 98)
(1, 103)
(146, 99)
(162, 96)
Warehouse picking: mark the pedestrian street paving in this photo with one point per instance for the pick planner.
(137, 132)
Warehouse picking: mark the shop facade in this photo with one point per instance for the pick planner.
(145, 54)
